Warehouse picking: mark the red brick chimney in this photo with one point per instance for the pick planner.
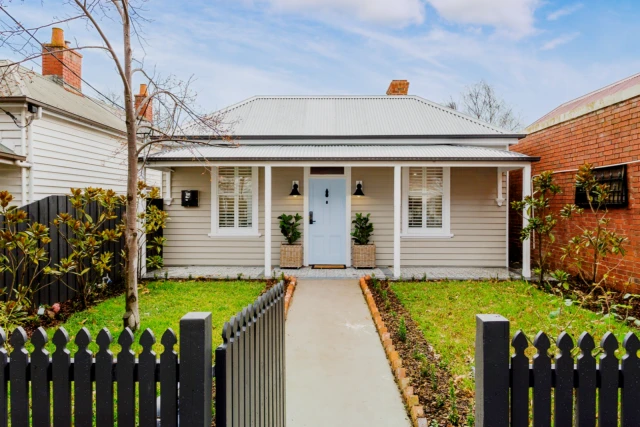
(398, 87)
(146, 112)
(64, 65)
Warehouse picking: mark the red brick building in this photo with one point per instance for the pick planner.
(602, 128)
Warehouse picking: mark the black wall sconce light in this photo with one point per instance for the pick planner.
(358, 192)
(294, 189)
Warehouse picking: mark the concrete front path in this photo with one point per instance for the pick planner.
(337, 371)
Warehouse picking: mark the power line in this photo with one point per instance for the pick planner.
(40, 44)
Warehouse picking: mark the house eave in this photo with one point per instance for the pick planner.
(61, 111)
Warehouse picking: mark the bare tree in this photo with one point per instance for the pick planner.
(481, 101)
(172, 100)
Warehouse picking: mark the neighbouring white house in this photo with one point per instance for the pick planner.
(54, 137)
(433, 180)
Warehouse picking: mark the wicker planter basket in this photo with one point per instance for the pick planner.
(290, 256)
(363, 256)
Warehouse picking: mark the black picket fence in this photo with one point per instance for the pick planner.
(250, 365)
(63, 288)
(511, 391)
(59, 390)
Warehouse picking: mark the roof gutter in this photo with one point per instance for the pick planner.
(342, 159)
(329, 137)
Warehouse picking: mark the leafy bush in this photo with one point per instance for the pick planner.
(596, 241)
(25, 259)
(86, 236)
(289, 227)
(151, 220)
(542, 220)
(362, 229)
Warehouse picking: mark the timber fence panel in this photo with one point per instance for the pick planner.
(55, 389)
(581, 391)
(250, 383)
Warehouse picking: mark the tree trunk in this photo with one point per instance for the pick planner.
(132, 315)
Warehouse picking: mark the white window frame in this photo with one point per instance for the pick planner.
(216, 231)
(443, 232)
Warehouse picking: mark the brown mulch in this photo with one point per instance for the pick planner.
(430, 379)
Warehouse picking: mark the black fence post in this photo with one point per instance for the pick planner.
(195, 370)
(492, 371)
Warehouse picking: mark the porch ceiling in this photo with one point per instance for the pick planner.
(342, 152)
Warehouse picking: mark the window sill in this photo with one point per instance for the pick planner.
(234, 236)
(426, 236)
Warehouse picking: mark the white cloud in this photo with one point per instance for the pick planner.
(397, 13)
(564, 11)
(511, 16)
(558, 41)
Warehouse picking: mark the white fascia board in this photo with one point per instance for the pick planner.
(484, 142)
(519, 164)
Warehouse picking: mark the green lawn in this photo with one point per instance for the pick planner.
(445, 312)
(162, 304)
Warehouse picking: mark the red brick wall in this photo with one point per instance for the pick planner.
(604, 137)
(52, 65)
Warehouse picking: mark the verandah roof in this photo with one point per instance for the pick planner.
(341, 152)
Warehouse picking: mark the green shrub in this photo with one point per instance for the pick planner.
(362, 229)
(289, 227)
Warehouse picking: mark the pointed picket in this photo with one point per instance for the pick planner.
(61, 361)
(631, 381)
(541, 381)
(83, 387)
(169, 380)
(586, 390)
(104, 380)
(147, 378)
(608, 394)
(520, 380)
(563, 398)
(40, 390)
(126, 385)
(19, 361)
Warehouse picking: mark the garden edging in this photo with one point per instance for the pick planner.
(288, 297)
(415, 410)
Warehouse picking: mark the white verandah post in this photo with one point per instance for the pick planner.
(397, 186)
(526, 244)
(267, 221)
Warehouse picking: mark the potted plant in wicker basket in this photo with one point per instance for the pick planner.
(290, 252)
(363, 253)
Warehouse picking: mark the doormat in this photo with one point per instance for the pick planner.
(329, 266)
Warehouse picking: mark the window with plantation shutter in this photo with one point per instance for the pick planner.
(234, 200)
(426, 201)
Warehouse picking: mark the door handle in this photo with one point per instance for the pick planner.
(311, 221)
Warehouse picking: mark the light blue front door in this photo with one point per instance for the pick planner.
(327, 232)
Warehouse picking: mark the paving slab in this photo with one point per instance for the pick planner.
(337, 371)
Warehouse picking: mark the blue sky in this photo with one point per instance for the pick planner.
(537, 53)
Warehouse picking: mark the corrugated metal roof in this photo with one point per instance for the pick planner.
(21, 81)
(339, 152)
(264, 116)
(626, 84)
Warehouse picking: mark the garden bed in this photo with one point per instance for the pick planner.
(445, 313)
(440, 331)
(432, 381)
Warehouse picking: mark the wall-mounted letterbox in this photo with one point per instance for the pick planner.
(190, 198)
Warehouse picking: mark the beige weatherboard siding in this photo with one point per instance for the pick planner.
(478, 224)
(188, 241)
